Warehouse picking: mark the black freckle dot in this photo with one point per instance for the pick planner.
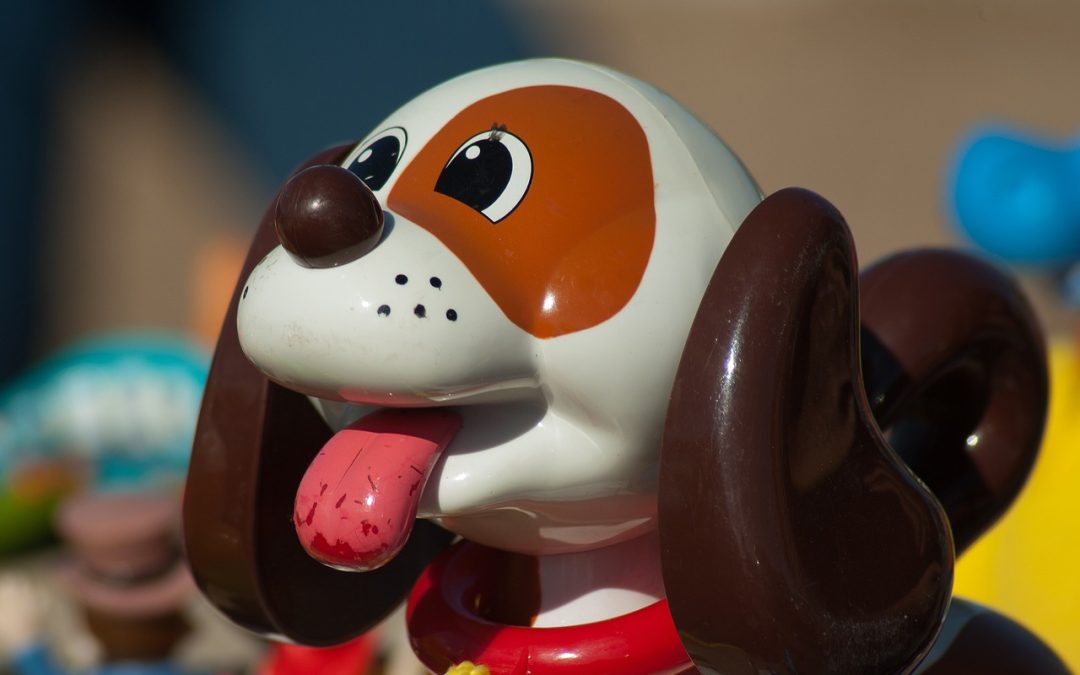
(451, 314)
(384, 310)
(420, 311)
(244, 295)
(401, 279)
(436, 282)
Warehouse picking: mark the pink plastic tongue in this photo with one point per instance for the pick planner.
(357, 502)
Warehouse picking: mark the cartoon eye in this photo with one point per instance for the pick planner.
(490, 173)
(374, 161)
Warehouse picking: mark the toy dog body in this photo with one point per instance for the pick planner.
(488, 301)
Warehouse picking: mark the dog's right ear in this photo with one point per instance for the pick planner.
(793, 539)
(253, 442)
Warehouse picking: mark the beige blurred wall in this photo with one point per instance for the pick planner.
(147, 189)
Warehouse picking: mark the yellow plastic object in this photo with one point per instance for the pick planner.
(468, 668)
(1027, 566)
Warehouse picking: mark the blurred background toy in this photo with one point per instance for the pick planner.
(1016, 196)
(128, 579)
(106, 414)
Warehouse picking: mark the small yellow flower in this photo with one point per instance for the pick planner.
(468, 668)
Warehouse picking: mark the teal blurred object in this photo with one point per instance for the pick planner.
(111, 414)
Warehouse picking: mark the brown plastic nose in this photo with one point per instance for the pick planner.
(325, 216)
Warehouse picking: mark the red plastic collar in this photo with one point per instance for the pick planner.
(444, 630)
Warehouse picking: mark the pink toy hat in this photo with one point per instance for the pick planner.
(126, 557)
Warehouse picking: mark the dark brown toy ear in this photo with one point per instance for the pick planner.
(793, 539)
(955, 370)
(253, 442)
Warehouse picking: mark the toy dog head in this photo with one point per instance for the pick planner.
(507, 272)
(544, 245)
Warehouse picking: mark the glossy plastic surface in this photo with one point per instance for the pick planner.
(449, 621)
(776, 479)
(780, 501)
(325, 216)
(355, 506)
(964, 404)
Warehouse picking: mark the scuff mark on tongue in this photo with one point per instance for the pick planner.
(381, 463)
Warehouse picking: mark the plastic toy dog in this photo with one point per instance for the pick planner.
(542, 308)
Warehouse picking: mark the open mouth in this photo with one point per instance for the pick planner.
(357, 502)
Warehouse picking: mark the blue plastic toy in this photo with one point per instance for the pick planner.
(1017, 195)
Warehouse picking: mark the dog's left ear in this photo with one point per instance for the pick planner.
(956, 373)
(253, 442)
(793, 539)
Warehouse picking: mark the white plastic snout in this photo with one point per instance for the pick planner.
(405, 324)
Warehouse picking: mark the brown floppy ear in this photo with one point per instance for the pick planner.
(793, 539)
(956, 373)
(253, 442)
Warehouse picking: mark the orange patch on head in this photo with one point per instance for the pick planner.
(573, 251)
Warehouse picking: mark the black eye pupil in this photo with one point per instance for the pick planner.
(375, 164)
(478, 174)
